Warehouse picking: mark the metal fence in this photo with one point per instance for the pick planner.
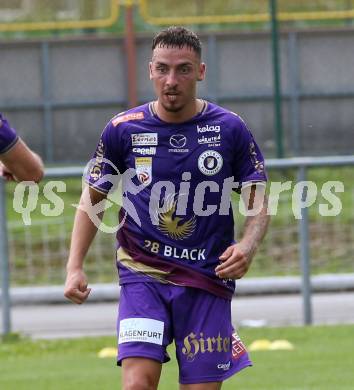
(36, 254)
(64, 89)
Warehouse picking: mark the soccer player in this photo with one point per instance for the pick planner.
(17, 161)
(176, 254)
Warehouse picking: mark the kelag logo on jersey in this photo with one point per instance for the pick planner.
(210, 162)
(144, 139)
(178, 142)
(208, 129)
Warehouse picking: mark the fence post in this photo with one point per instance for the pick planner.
(276, 80)
(4, 263)
(131, 60)
(47, 102)
(304, 253)
(213, 69)
(294, 81)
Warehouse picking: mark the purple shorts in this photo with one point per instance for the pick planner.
(152, 315)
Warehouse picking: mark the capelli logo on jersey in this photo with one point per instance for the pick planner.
(145, 151)
(224, 366)
(208, 129)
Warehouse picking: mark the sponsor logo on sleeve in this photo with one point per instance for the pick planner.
(133, 116)
(258, 164)
(210, 162)
(96, 168)
(143, 168)
(145, 330)
(144, 139)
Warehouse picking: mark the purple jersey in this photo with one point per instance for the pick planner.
(183, 219)
(8, 136)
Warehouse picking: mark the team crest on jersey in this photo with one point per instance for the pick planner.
(210, 162)
(143, 169)
(133, 116)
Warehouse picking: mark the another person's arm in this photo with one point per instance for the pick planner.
(237, 258)
(21, 164)
(17, 161)
(83, 233)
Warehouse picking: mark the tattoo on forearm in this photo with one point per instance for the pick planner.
(255, 227)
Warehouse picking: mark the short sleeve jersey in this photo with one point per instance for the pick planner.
(180, 218)
(8, 136)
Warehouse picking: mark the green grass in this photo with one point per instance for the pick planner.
(322, 360)
(184, 8)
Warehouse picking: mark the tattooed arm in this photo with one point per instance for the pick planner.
(237, 258)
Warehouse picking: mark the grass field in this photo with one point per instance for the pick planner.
(322, 360)
(166, 8)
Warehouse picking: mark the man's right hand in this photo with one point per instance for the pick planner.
(76, 287)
